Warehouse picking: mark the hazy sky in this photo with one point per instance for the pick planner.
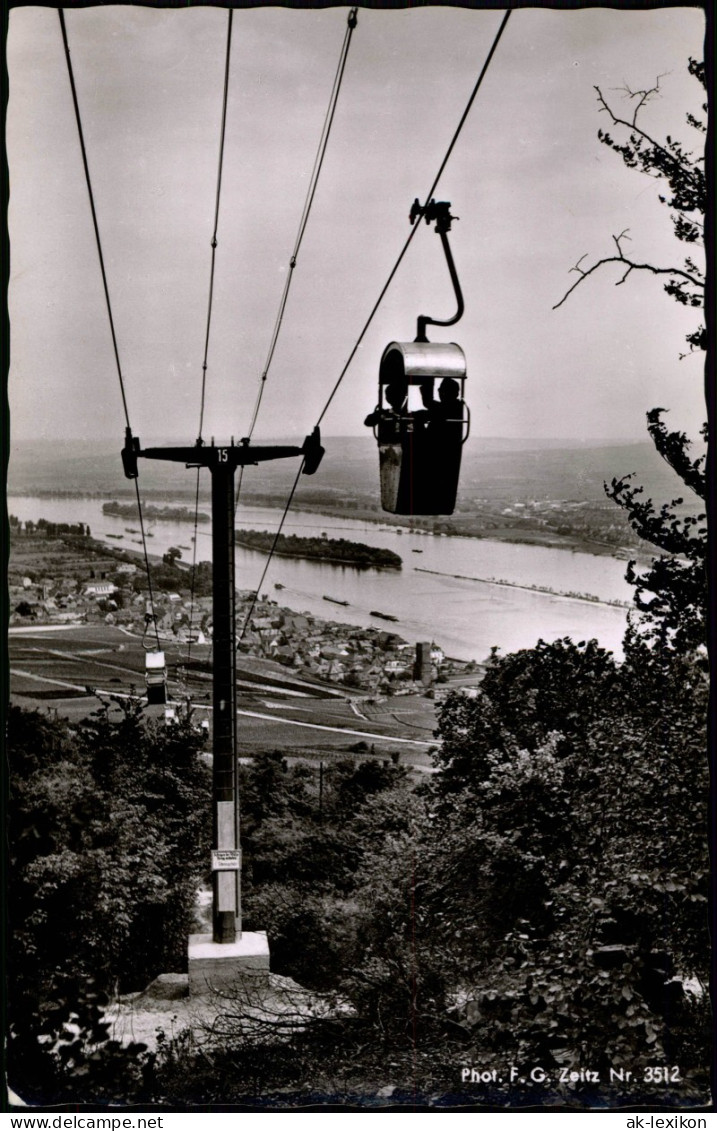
(533, 187)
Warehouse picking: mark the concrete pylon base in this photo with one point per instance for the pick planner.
(218, 1019)
(219, 967)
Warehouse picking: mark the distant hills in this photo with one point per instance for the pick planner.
(494, 470)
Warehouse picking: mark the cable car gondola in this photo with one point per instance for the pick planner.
(420, 447)
(156, 677)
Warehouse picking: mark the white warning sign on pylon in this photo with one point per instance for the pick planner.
(226, 859)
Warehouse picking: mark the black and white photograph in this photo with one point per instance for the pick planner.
(357, 571)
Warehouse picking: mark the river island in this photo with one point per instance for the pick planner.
(338, 551)
(151, 511)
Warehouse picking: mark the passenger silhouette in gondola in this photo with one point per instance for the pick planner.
(423, 415)
(444, 436)
(420, 470)
(388, 420)
(392, 427)
(446, 414)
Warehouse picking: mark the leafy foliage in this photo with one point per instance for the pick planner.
(586, 829)
(63, 1053)
(548, 907)
(671, 597)
(108, 837)
(541, 900)
(524, 697)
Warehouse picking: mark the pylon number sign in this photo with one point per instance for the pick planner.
(226, 859)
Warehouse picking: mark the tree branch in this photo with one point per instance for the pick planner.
(644, 95)
(688, 170)
(630, 265)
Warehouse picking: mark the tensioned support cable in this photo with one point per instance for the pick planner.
(192, 587)
(146, 562)
(311, 192)
(351, 22)
(216, 217)
(98, 242)
(394, 269)
(222, 135)
(75, 103)
(273, 546)
(414, 229)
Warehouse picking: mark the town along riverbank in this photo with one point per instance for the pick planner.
(468, 618)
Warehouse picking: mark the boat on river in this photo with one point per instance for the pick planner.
(335, 601)
(382, 616)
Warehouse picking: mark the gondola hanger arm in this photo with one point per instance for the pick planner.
(440, 212)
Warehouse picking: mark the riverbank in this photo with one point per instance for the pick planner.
(464, 525)
(469, 619)
(546, 589)
(484, 524)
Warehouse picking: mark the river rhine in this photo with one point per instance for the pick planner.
(466, 617)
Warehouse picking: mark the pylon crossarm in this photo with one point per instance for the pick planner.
(229, 456)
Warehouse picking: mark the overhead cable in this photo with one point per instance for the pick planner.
(216, 218)
(311, 192)
(414, 229)
(393, 271)
(270, 555)
(222, 135)
(98, 242)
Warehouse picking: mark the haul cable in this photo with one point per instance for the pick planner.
(214, 241)
(273, 546)
(388, 282)
(414, 229)
(311, 193)
(98, 242)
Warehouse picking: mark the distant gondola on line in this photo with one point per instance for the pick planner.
(421, 420)
(156, 678)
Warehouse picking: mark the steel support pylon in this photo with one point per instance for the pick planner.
(222, 462)
(226, 903)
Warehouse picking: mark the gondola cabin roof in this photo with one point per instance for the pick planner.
(416, 362)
